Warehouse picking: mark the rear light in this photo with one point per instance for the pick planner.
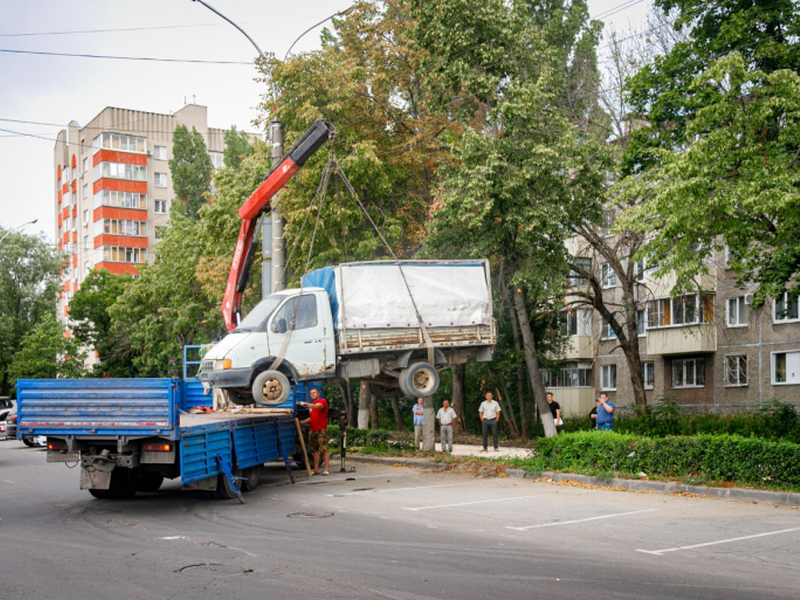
(157, 447)
(57, 445)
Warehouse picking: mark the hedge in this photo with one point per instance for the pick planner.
(708, 458)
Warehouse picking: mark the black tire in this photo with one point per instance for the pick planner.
(224, 490)
(102, 494)
(124, 484)
(420, 379)
(150, 481)
(271, 388)
(252, 477)
(239, 397)
(28, 441)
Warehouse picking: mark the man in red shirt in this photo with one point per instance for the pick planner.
(318, 436)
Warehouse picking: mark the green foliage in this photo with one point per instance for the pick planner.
(237, 147)
(45, 353)
(29, 279)
(191, 169)
(91, 322)
(699, 459)
(360, 438)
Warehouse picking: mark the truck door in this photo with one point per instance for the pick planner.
(309, 349)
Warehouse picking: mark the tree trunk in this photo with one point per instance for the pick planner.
(398, 417)
(428, 427)
(458, 403)
(532, 361)
(363, 406)
(373, 409)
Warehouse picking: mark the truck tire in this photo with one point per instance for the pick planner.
(124, 484)
(420, 379)
(271, 388)
(150, 481)
(251, 475)
(238, 397)
(224, 490)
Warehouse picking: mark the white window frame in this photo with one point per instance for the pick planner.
(608, 377)
(641, 322)
(784, 299)
(163, 204)
(160, 180)
(160, 152)
(649, 374)
(789, 378)
(737, 312)
(735, 370)
(609, 277)
(689, 367)
(606, 333)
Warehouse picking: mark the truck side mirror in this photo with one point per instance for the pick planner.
(279, 326)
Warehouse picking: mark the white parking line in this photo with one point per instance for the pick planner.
(635, 512)
(467, 503)
(403, 489)
(728, 541)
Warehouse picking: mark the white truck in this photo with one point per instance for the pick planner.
(392, 324)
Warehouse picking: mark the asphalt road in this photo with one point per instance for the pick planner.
(385, 532)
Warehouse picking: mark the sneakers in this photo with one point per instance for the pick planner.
(485, 450)
(325, 473)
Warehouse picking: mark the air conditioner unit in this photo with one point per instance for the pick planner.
(149, 154)
(748, 299)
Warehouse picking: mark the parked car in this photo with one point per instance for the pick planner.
(3, 414)
(11, 431)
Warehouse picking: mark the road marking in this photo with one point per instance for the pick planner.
(403, 489)
(635, 512)
(416, 508)
(174, 537)
(728, 541)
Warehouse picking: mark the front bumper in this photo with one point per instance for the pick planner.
(229, 378)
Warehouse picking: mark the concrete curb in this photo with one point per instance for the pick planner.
(665, 487)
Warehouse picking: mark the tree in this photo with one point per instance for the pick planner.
(518, 71)
(47, 353)
(718, 163)
(237, 147)
(191, 169)
(91, 322)
(29, 279)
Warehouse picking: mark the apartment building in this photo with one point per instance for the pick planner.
(113, 189)
(706, 350)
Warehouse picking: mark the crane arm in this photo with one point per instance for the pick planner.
(258, 204)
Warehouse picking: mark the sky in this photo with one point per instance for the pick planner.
(41, 92)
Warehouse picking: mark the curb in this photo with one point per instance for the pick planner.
(668, 487)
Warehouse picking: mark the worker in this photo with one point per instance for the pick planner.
(318, 429)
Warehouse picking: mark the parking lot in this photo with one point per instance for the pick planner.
(387, 531)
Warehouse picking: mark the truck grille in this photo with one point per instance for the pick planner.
(208, 365)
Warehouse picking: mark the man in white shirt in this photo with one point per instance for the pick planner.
(489, 412)
(446, 417)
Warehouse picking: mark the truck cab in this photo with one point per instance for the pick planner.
(288, 335)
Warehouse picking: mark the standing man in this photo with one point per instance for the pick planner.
(318, 429)
(419, 421)
(555, 409)
(446, 416)
(489, 412)
(605, 413)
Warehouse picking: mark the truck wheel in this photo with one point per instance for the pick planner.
(102, 494)
(271, 388)
(419, 380)
(124, 484)
(382, 391)
(224, 490)
(150, 481)
(252, 476)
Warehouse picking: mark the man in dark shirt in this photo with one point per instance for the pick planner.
(555, 408)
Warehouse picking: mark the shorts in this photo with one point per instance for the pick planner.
(318, 441)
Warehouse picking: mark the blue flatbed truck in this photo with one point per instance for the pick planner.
(128, 435)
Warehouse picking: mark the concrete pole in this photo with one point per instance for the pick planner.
(429, 425)
(275, 256)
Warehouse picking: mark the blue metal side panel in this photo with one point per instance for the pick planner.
(99, 407)
(287, 433)
(255, 443)
(199, 453)
(195, 395)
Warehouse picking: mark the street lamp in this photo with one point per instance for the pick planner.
(341, 13)
(10, 231)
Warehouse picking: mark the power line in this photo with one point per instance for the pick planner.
(131, 58)
(616, 9)
(85, 31)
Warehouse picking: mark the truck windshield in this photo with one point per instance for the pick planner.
(256, 320)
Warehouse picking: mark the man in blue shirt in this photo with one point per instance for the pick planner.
(605, 413)
(418, 423)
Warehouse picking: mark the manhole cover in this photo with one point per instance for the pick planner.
(307, 515)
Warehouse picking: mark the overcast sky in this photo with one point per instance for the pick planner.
(41, 93)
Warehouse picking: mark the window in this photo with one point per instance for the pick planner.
(582, 263)
(786, 367)
(688, 372)
(608, 223)
(608, 377)
(85, 242)
(786, 308)
(683, 310)
(306, 313)
(87, 267)
(160, 152)
(127, 255)
(121, 199)
(606, 332)
(576, 322)
(641, 268)
(85, 165)
(648, 374)
(116, 141)
(641, 322)
(86, 217)
(738, 312)
(161, 207)
(85, 191)
(120, 227)
(160, 180)
(736, 371)
(66, 223)
(609, 276)
(120, 171)
(570, 375)
(217, 159)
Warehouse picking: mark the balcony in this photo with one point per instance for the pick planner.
(697, 338)
(579, 347)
